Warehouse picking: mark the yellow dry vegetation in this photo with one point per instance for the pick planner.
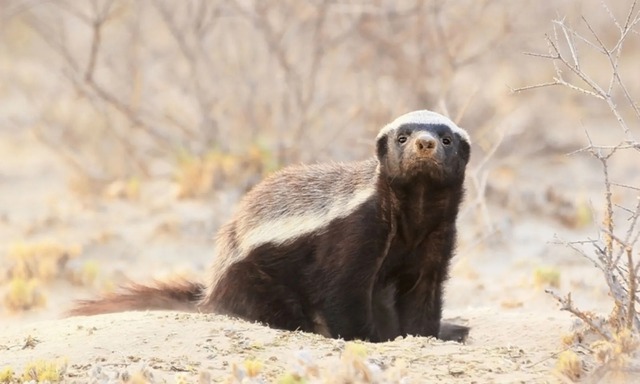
(6, 375)
(41, 371)
(197, 176)
(32, 265)
(40, 260)
(570, 365)
(546, 277)
(24, 295)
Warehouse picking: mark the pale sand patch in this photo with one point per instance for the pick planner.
(504, 347)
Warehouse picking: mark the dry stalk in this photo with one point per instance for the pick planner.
(567, 305)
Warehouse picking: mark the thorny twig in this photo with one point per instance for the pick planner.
(567, 305)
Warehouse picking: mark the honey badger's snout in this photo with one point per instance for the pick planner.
(425, 144)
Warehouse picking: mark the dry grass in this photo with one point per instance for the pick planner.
(37, 371)
(44, 260)
(570, 365)
(31, 266)
(546, 277)
(198, 176)
(24, 295)
(45, 371)
(7, 375)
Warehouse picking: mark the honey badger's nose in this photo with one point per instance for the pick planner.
(425, 143)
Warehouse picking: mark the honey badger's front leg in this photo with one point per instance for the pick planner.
(419, 298)
(385, 313)
(347, 291)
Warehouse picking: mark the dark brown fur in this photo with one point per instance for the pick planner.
(375, 273)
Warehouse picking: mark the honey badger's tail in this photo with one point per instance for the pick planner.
(175, 295)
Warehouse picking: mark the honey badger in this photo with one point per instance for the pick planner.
(355, 250)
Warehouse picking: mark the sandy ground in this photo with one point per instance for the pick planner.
(516, 328)
(503, 348)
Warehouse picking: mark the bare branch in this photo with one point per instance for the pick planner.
(572, 48)
(98, 21)
(529, 87)
(633, 277)
(542, 55)
(616, 74)
(566, 304)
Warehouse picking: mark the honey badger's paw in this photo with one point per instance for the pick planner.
(453, 332)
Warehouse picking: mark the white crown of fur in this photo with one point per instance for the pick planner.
(424, 117)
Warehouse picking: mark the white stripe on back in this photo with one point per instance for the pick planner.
(283, 229)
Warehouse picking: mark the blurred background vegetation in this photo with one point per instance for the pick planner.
(218, 92)
(214, 94)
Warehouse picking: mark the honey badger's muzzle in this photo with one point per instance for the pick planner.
(426, 146)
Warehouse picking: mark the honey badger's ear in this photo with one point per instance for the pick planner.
(382, 146)
(464, 149)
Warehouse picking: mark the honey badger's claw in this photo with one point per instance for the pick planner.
(453, 332)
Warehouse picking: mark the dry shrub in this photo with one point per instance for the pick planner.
(7, 375)
(570, 365)
(197, 176)
(44, 371)
(30, 266)
(126, 88)
(38, 371)
(44, 260)
(546, 277)
(24, 295)
(614, 250)
(87, 275)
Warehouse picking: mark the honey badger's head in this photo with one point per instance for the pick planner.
(423, 145)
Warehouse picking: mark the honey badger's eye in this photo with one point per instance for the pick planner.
(402, 139)
(446, 140)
